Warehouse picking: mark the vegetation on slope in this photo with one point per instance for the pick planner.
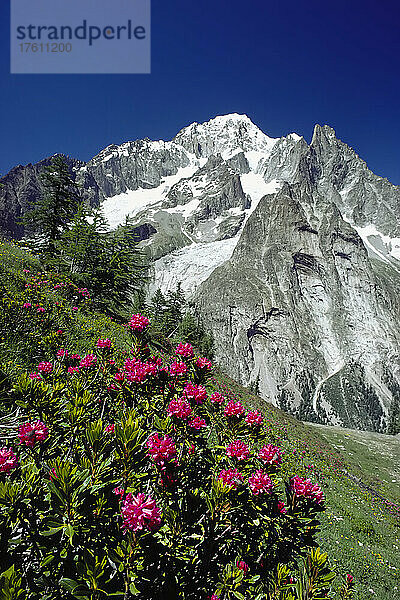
(127, 472)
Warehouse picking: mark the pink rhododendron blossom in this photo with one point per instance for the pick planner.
(45, 367)
(203, 363)
(75, 357)
(197, 423)
(214, 597)
(35, 375)
(8, 460)
(238, 449)
(270, 455)
(88, 361)
(40, 309)
(27, 305)
(349, 578)
(178, 368)
(103, 343)
(137, 371)
(162, 450)
(234, 409)
(281, 507)
(110, 428)
(217, 398)
(72, 370)
(242, 566)
(304, 488)
(254, 419)
(179, 408)
(139, 512)
(62, 353)
(185, 350)
(231, 477)
(75, 308)
(260, 483)
(30, 433)
(138, 322)
(197, 393)
(119, 491)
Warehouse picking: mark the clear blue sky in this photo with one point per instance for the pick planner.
(288, 64)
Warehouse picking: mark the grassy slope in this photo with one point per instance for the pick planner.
(358, 529)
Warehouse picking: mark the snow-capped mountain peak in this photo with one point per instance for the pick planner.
(225, 135)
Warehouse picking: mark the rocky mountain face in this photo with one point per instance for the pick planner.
(290, 252)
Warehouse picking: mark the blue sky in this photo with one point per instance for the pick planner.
(287, 64)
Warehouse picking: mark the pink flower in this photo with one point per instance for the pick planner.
(110, 428)
(185, 350)
(217, 398)
(203, 363)
(138, 322)
(103, 343)
(45, 367)
(178, 368)
(72, 370)
(197, 393)
(281, 507)
(162, 450)
(234, 409)
(139, 512)
(40, 309)
(270, 455)
(254, 419)
(180, 408)
(238, 449)
(242, 566)
(30, 433)
(231, 477)
(8, 460)
(304, 488)
(34, 376)
(75, 308)
(214, 597)
(88, 361)
(349, 578)
(75, 357)
(119, 491)
(260, 483)
(27, 305)
(197, 423)
(53, 474)
(61, 353)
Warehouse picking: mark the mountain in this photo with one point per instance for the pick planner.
(290, 252)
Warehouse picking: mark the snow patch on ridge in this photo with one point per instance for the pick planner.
(132, 202)
(191, 265)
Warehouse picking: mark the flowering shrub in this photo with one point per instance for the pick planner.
(270, 455)
(8, 460)
(304, 488)
(136, 490)
(260, 483)
(139, 512)
(234, 409)
(231, 477)
(238, 449)
(32, 433)
(184, 350)
(138, 322)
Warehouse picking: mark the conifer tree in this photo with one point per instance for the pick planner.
(55, 210)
